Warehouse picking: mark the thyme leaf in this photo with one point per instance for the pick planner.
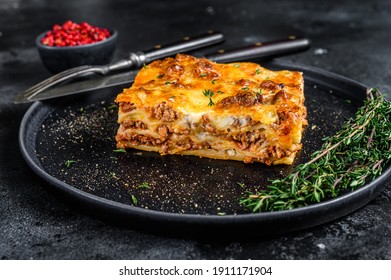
(144, 185)
(347, 160)
(69, 162)
(113, 106)
(113, 175)
(134, 199)
(121, 150)
(258, 92)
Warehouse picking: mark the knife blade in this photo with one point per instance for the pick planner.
(125, 78)
(265, 50)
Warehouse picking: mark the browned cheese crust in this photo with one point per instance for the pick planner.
(237, 111)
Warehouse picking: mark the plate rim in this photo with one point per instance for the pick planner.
(359, 197)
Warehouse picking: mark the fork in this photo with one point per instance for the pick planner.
(135, 60)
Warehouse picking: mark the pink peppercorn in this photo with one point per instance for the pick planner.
(73, 34)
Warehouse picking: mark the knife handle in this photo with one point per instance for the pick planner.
(265, 50)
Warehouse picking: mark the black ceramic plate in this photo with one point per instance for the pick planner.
(186, 194)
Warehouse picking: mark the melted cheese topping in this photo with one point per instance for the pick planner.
(238, 111)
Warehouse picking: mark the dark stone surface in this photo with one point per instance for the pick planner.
(348, 38)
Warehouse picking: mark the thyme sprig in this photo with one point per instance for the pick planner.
(347, 160)
(209, 93)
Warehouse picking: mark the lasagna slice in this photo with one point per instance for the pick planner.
(235, 111)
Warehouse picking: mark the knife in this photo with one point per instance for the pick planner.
(265, 50)
(135, 60)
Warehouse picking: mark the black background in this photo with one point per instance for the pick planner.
(348, 37)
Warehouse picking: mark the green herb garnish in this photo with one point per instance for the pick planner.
(258, 92)
(144, 185)
(167, 83)
(213, 81)
(134, 199)
(113, 175)
(119, 151)
(69, 162)
(209, 93)
(203, 75)
(113, 106)
(236, 65)
(244, 88)
(347, 160)
(258, 71)
(160, 76)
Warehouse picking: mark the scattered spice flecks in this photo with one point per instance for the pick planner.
(177, 184)
(133, 177)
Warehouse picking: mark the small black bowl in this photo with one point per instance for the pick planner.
(57, 59)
